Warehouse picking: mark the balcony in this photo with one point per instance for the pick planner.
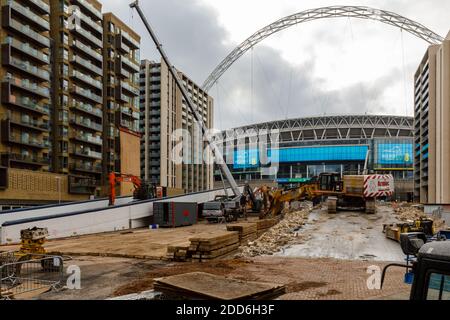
(39, 5)
(27, 123)
(25, 66)
(88, 109)
(95, 140)
(91, 10)
(27, 14)
(130, 125)
(89, 37)
(87, 154)
(10, 44)
(87, 79)
(87, 94)
(24, 159)
(86, 167)
(88, 50)
(26, 31)
(130, 113)
(22, 102)
(87, 123)
(91, 23)
(126, 86)
(86, 64)
(121, 71)
(122, 47)
(131, 41)
(24, 140)
(120, 96)
(26, 85)
(133, 66)
(82, 185)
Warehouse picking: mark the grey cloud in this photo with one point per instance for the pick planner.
(196, 42)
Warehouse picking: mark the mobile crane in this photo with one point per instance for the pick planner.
(218, 157)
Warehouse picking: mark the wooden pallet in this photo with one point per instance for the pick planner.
(199, 285)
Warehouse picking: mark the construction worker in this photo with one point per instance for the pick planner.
(243, 203)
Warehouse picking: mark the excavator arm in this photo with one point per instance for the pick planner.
(279, 197)
(117, 178)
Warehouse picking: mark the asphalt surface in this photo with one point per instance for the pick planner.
(347, 235)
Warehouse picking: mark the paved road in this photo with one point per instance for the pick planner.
(347, 235)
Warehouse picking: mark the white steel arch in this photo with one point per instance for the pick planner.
(383, 16)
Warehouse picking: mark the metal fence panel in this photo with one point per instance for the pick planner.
(31, 273)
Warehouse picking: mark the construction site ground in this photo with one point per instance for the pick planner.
(329, 259)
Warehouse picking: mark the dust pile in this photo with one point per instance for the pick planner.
(280, 235)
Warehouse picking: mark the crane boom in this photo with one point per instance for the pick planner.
(215, 150)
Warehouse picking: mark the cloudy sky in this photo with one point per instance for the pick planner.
(332, 66)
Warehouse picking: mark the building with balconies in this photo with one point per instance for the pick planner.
(69, 109)
(121, 98)
(78, 92)
(431, 127)
(163, 111)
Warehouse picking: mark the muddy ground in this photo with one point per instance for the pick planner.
(329, 261)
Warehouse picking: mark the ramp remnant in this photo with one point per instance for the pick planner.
(200, 285)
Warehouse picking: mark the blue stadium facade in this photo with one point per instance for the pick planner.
(343, 144)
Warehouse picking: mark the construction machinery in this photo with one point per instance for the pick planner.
(218, 157)
(142, 189)
(279, 197)
(32, 247)
(394, 231)
(428, 270)
(222, 209)
(353, 191)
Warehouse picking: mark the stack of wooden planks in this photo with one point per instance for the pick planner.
(209, 246)
(247, 231)
(204, 246)
(200, 285)
(178, 251)
(263, 225)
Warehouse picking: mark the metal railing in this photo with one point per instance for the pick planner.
(18, 279)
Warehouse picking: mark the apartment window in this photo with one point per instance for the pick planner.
(63, 131)
(111, 53)
(63, 115)
(65, 70)
(65, 85)
(64, 38)
(64, 100)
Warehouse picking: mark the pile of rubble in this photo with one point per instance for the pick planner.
(280, 235)
(408, 212)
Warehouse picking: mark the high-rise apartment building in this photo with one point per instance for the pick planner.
(69, 103)
(432, 131)
(121, 100)
(163, 112)
(78, 93)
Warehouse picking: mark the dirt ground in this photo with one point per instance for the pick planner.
(142, 243)
(329, 260)
(306, 279)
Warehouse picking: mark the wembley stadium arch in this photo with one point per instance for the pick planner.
(345, 144)
(358, 12)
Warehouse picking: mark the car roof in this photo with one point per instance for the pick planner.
(436, 250)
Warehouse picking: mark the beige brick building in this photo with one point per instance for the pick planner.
(163, 110)
(432, 130)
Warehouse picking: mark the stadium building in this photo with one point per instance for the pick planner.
(309, 146)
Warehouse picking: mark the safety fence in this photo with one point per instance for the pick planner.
(24, 276)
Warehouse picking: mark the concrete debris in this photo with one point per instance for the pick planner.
(407, 212)
(280, 235)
